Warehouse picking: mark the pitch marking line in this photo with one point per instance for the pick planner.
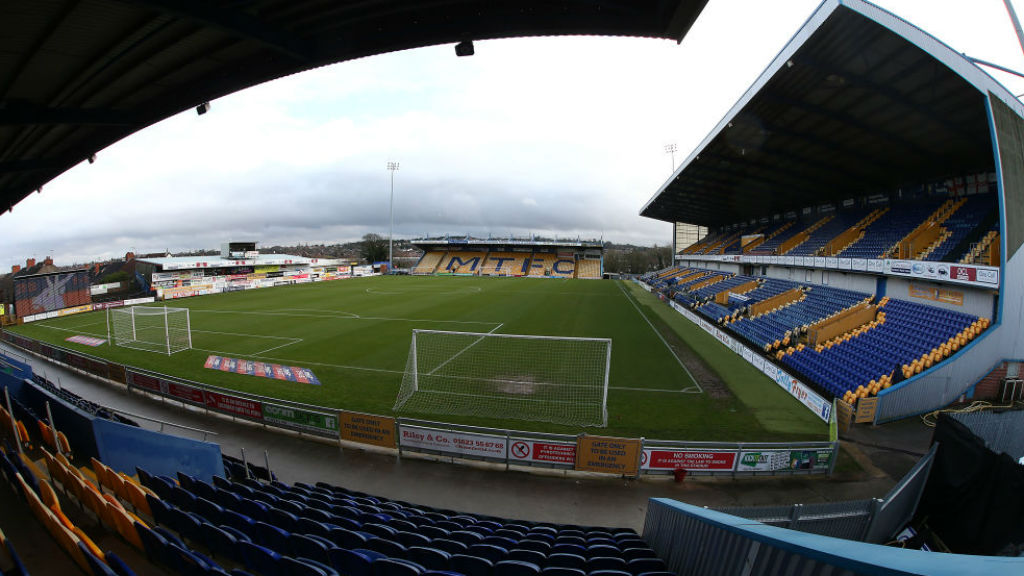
(459, 353)
(688, 390)
(346, 316)
(289, 342)
(463, 290)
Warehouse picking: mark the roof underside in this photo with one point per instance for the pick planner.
(77, 76)
(859, 111)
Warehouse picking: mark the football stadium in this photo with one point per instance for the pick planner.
(507, 407)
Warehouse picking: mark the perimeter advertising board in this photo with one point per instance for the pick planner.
(608, 455)
(550, 452)
(367, 429)
(472, 445)
(297, 419)
(688, 459)
(773, 460)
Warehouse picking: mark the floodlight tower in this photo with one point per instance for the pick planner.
(671, 149)
(392, 167)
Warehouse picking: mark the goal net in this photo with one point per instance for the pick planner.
(539, 378)
(165, 330)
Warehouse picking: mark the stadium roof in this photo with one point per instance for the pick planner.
(76, 77)
(858, 103)
(168, 263)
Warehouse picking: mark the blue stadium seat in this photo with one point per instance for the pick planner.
(97, 566)
(639, 566)
(349, 562)
(532, 556)
(270, 536)
(211, 511)
(449, 546)
(386, 547)
(303, 546)
(516, 568)
(396, 567)
(117, 564)
(429, 558)
(471, 565)
(305, 567)
(563, 560)
(260, 559)
(221, 543)
(604, 563)
(488, 551)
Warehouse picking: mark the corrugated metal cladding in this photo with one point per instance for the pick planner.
(1001, 431)
(76, 77)
(851, 107)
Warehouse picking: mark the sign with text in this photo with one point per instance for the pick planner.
(688, 460)
(608, 455)
(541, 452)
(367, 429)
(772, 460)
(460, 443)
(297, 419)
(233, 405)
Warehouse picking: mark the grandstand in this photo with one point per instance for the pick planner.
(531, 257)
(799, 146)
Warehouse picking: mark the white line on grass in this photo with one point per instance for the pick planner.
(459, 353)
(632, 301)
(347, 316)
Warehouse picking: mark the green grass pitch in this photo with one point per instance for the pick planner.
(355, 335)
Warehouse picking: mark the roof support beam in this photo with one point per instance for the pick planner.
(26, 116)
(238, 23)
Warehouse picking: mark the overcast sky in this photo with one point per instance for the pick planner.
(555, 136)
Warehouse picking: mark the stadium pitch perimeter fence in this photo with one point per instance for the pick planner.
(629, 457)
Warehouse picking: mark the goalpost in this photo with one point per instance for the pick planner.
(555, 379)
(165, 330)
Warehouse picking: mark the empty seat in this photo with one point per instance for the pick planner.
(429, 558)
(471, 565)
(349, 562)
(516, 568)
(303, 546)
(488, 551)
(600, 563)
(639, 566)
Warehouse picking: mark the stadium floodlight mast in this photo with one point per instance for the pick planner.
(392, 167)
(671, 149)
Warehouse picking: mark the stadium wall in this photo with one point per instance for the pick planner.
(683, 535)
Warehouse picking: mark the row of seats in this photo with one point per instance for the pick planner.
(507, 264)
(351, 532)
(879, 237)
(903, 340)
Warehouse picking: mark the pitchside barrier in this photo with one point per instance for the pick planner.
(586, 453)
(813, 401)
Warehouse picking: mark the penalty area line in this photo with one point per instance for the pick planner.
(632, 301)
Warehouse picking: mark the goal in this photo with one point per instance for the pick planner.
(165, 330)
(510, 376)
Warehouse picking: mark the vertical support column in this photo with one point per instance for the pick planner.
(14, 420)
(604, 396)
(415, 364)
(167, 332)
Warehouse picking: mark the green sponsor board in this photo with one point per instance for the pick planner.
(769, 460)
(301, 419)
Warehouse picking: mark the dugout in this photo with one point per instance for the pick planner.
(861, 103)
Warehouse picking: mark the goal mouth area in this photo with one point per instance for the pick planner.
(162, 330)
(560, 380)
